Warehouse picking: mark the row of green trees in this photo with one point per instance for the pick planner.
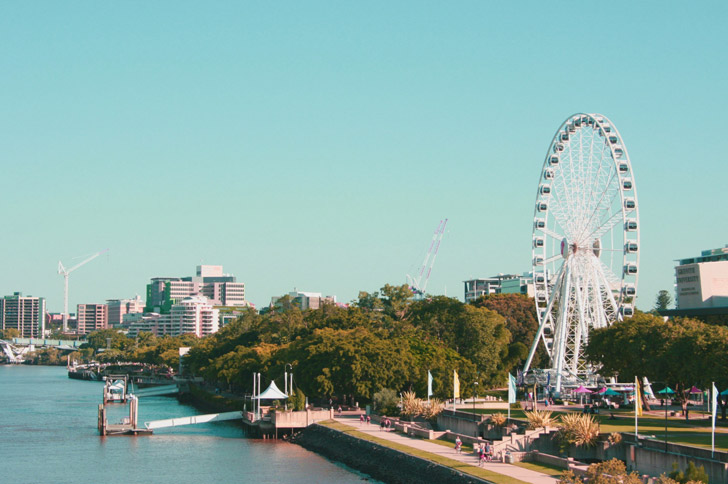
(383, 340)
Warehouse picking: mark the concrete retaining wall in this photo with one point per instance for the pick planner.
(460, 422)
(414, 431)
(649, 457)
(380, 462)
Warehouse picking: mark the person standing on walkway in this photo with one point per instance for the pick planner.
(361, 419)
(458, 445)
(481, 455)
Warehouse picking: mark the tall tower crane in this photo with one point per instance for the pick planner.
(65, 273)
(415, 283)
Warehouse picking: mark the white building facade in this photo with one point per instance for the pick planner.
(194, 315)
(702, 282)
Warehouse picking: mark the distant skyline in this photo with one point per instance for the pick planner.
(316, 145)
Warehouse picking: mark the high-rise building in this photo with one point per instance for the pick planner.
(702, 282)
(91, 317)
(119, 307)
(221, 289)
(194, 315)
(26, 314)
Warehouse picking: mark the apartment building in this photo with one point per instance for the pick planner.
(24, 313)
(91, 317)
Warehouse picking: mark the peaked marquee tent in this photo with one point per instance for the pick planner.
(271, 393)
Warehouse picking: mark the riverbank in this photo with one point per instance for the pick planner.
(380, 462)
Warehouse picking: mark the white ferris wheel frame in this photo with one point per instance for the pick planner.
(579, 233)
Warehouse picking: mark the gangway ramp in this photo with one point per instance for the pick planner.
(195, 419)
(156, 391)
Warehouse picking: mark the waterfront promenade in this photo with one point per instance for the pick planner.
(509, 471)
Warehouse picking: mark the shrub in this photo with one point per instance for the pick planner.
(578, 429)
(614, 438)
(433, 409)
(692, 474)
(386, 401)
(297, 400)
(498, 419)
(538, 419)
(610, 472)
(411, 405)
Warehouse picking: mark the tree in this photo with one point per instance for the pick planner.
(396, 299)
(98, 339)
(663, 300)
(9, 333)
(521, 320)
(645, 345)
(349, 362)
(477, 334)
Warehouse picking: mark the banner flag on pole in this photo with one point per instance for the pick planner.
(511, 389)
(429, 384)
(637, 406)
(455, 385)
(638, 397)
(511, 393)
(714, 402)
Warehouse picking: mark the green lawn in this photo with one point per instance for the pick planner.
(550, 470)
(695, 432)
(453, 464)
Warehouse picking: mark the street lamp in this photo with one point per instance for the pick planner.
(664, 402)
(475, 394)
(285, 378)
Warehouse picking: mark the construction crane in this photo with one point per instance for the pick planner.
(415, 283)
(65, 273)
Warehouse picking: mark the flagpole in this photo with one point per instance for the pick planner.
(636, 403)
(713, 401)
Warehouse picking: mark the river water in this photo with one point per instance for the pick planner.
(48, 435)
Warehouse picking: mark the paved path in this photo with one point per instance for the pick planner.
(509, 470)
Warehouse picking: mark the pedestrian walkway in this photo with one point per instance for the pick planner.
(515, 472)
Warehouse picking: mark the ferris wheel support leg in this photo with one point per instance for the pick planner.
(539, 333)
(562, 327)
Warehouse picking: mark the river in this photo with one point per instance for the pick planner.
(48, 435)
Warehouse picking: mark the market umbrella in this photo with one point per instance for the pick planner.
(695, 390)
(611, 392)
(724, 392)
(666, 390)
(602, 390)
(581, 389)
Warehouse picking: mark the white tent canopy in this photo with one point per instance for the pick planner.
(271, 393)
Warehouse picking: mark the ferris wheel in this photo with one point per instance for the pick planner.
(585, 245)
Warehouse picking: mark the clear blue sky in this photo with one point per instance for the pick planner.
(317, 144)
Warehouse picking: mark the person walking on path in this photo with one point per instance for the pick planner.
(361, 419)
(488, 451)
(458, 445)
(369, 419)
